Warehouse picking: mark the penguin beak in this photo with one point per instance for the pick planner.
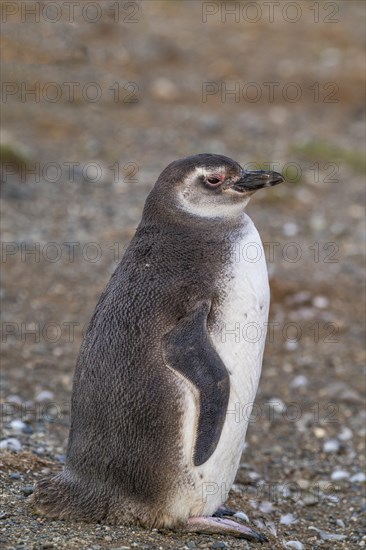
(257, 179)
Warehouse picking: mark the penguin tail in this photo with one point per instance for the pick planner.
(51, 497)
(63, 498)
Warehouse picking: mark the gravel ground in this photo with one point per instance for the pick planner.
(301, 480)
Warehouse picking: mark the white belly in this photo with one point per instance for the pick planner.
(239, 338)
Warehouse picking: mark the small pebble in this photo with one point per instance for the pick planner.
(341, 523)
(310, 499)
(27, 429)
(16, 399)
(288, 519)
(15, 475)
(299, 382)
(266, 507)
(301, 297)
(28, 489)
(40, 450)
(11, 444)
(303, 483)
(45, 395)
(259, 523)
(290, 229)
(358, 478)
(241, 515)
(276, 404)
(320, 302)
(317, 222)
(291, 346)
(328, 536)
(294, 544)
(191, 544)
(345, 434)
(319, 432)
(219, 544)
(338, 475)
(164, 89)
(351, 396)
(331, 446)
(253, 476)
(283, 490)
(17, 425)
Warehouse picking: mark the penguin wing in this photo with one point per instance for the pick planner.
(188, 349)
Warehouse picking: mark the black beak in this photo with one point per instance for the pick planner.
(257, 179)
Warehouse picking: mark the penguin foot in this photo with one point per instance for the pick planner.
(214, 525)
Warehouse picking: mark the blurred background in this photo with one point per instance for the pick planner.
(97, 98)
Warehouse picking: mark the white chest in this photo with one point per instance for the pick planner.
(239, 338)
(240, 334)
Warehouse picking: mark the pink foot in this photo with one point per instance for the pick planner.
(211, 525)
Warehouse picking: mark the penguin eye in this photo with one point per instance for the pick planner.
(213, 180)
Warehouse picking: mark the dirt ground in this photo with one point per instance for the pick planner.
(96, 102)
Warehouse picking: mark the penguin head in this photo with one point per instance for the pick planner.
(212, 186)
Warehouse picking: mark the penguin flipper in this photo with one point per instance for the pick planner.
(188, 349)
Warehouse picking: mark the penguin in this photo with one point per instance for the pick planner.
(164, 366)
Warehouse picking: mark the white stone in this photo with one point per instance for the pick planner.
(17, 425)
(291, 346)
(164, 89)
(294, 544)
(11, 444)
(241, 515)
(319, 432)
(45, 395)
(276, 404)
(338, 475)
(320, 302)
(288, 519)
(345, 434)
(266, 507)
(290, 229)
(331, 446)
(299, 381)
(358, 478)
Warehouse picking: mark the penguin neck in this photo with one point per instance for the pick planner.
(164, 217)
